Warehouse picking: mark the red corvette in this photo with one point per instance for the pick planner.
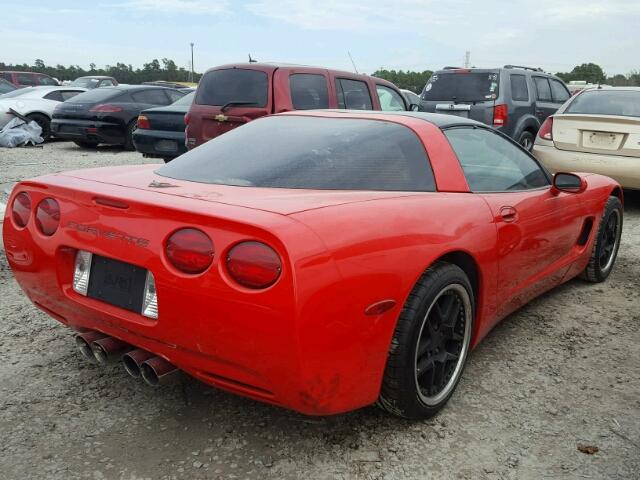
(321, 261)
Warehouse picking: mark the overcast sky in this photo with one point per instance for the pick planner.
(399, 34)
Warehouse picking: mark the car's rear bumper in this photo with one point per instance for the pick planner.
(89, 131)
(159, 143)
(625, 170)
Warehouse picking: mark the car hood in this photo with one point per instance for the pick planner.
(275, 200)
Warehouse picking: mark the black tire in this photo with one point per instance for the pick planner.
(128, 139)
(44, 122)
(605, 248)
(526, 140)
(86, 143)
(417, 344)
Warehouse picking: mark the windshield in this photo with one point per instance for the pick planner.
(462, 86)
(220, 87)
(85, 82)
(310, 153)
(606, 102)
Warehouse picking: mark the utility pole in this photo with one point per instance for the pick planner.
(193, 76)
(467, 59)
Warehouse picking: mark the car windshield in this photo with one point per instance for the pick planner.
(606, 102)
(186, 100)
(85, 82)
(220, 87)
(462, 86)
(310, 153)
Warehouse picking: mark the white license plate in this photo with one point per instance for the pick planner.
(600, 140)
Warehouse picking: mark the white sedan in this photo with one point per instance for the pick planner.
(36, 103)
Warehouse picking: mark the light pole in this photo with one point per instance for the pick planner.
(193, 76)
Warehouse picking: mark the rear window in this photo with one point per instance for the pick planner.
(462, 87)
(606, 102)
(186, 100)
(220, 87)
(101, 95)
(310, 153)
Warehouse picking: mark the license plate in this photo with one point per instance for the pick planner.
(459, 110)
(166, 146)
(117, 283)
(601, 140)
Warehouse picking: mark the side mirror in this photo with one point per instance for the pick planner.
(569, 183)
(414, 107)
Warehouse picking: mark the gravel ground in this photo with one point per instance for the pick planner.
(563, 371)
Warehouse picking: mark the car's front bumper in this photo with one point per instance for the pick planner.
(625, 170)
(89, 131)
(159, 143)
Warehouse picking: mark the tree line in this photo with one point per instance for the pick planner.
(165, 69)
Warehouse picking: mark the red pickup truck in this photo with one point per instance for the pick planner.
(231, 95)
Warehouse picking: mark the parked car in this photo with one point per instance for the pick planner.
(6, 87)
(232, 95)
(28, 79)
(597, 130)
(36, 103)
(514, 100)
(320, 261)
(94, 81)
(160, 131)
(410, 97)
(108, 115)
(164, 83)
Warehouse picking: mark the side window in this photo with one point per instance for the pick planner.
(26, 79)
(174, 96)
(308, 91)
(6, 76)
(390, 99)
(353, 94)
(544, 91)
(519, 89)
(56, 96)
(106, 83)
(42, 80)
(492, 163)
(153, 97)
(560, 93)
(67, 94)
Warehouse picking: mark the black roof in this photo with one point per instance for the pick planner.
(440, 120)
(95, 76)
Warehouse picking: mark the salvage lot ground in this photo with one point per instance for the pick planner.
(563, 371)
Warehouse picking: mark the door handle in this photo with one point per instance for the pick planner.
(508, 214)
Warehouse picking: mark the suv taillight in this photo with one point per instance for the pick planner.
(21, 209)
(143, 123)
(106, 108)
(546, 129)
(48, 216)
(254, 265)
(500, 115)
(189, 250)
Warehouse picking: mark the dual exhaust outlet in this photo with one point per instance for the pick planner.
(138, 363)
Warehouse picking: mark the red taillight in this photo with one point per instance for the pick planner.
(546, 129)
(143, 123)
(189, 250)
(48, 216)
(106, 108)
(254, 265)
(500, 115)
(21, 209)
(187, 117)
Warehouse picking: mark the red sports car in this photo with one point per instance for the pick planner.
(321, 261)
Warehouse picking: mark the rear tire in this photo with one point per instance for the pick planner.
(430, 345)
(526, 140)
(605, 248)
(85, 143)
(44, 122)
(128, 140)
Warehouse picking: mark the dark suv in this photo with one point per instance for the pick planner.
(513, 99)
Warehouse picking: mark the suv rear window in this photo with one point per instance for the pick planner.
(220, 87)
(606, 102)
(462, 86)
(324, 154)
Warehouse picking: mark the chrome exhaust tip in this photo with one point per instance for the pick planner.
(157, 371)
(108, 349)
(133, 360)
(84, 341)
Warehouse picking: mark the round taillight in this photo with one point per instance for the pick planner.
(189, 250)
(21, 209)
(254, 265)
(48, 216)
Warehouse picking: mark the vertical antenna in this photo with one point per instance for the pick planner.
(467, 59)
(352, 62)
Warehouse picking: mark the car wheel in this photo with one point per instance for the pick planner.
(128, 141)
(85, 143)
(430, 344)
(44, 122)
(526, 140)
(605, 248)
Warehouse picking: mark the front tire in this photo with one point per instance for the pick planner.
(430, 344)
(605, 248)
